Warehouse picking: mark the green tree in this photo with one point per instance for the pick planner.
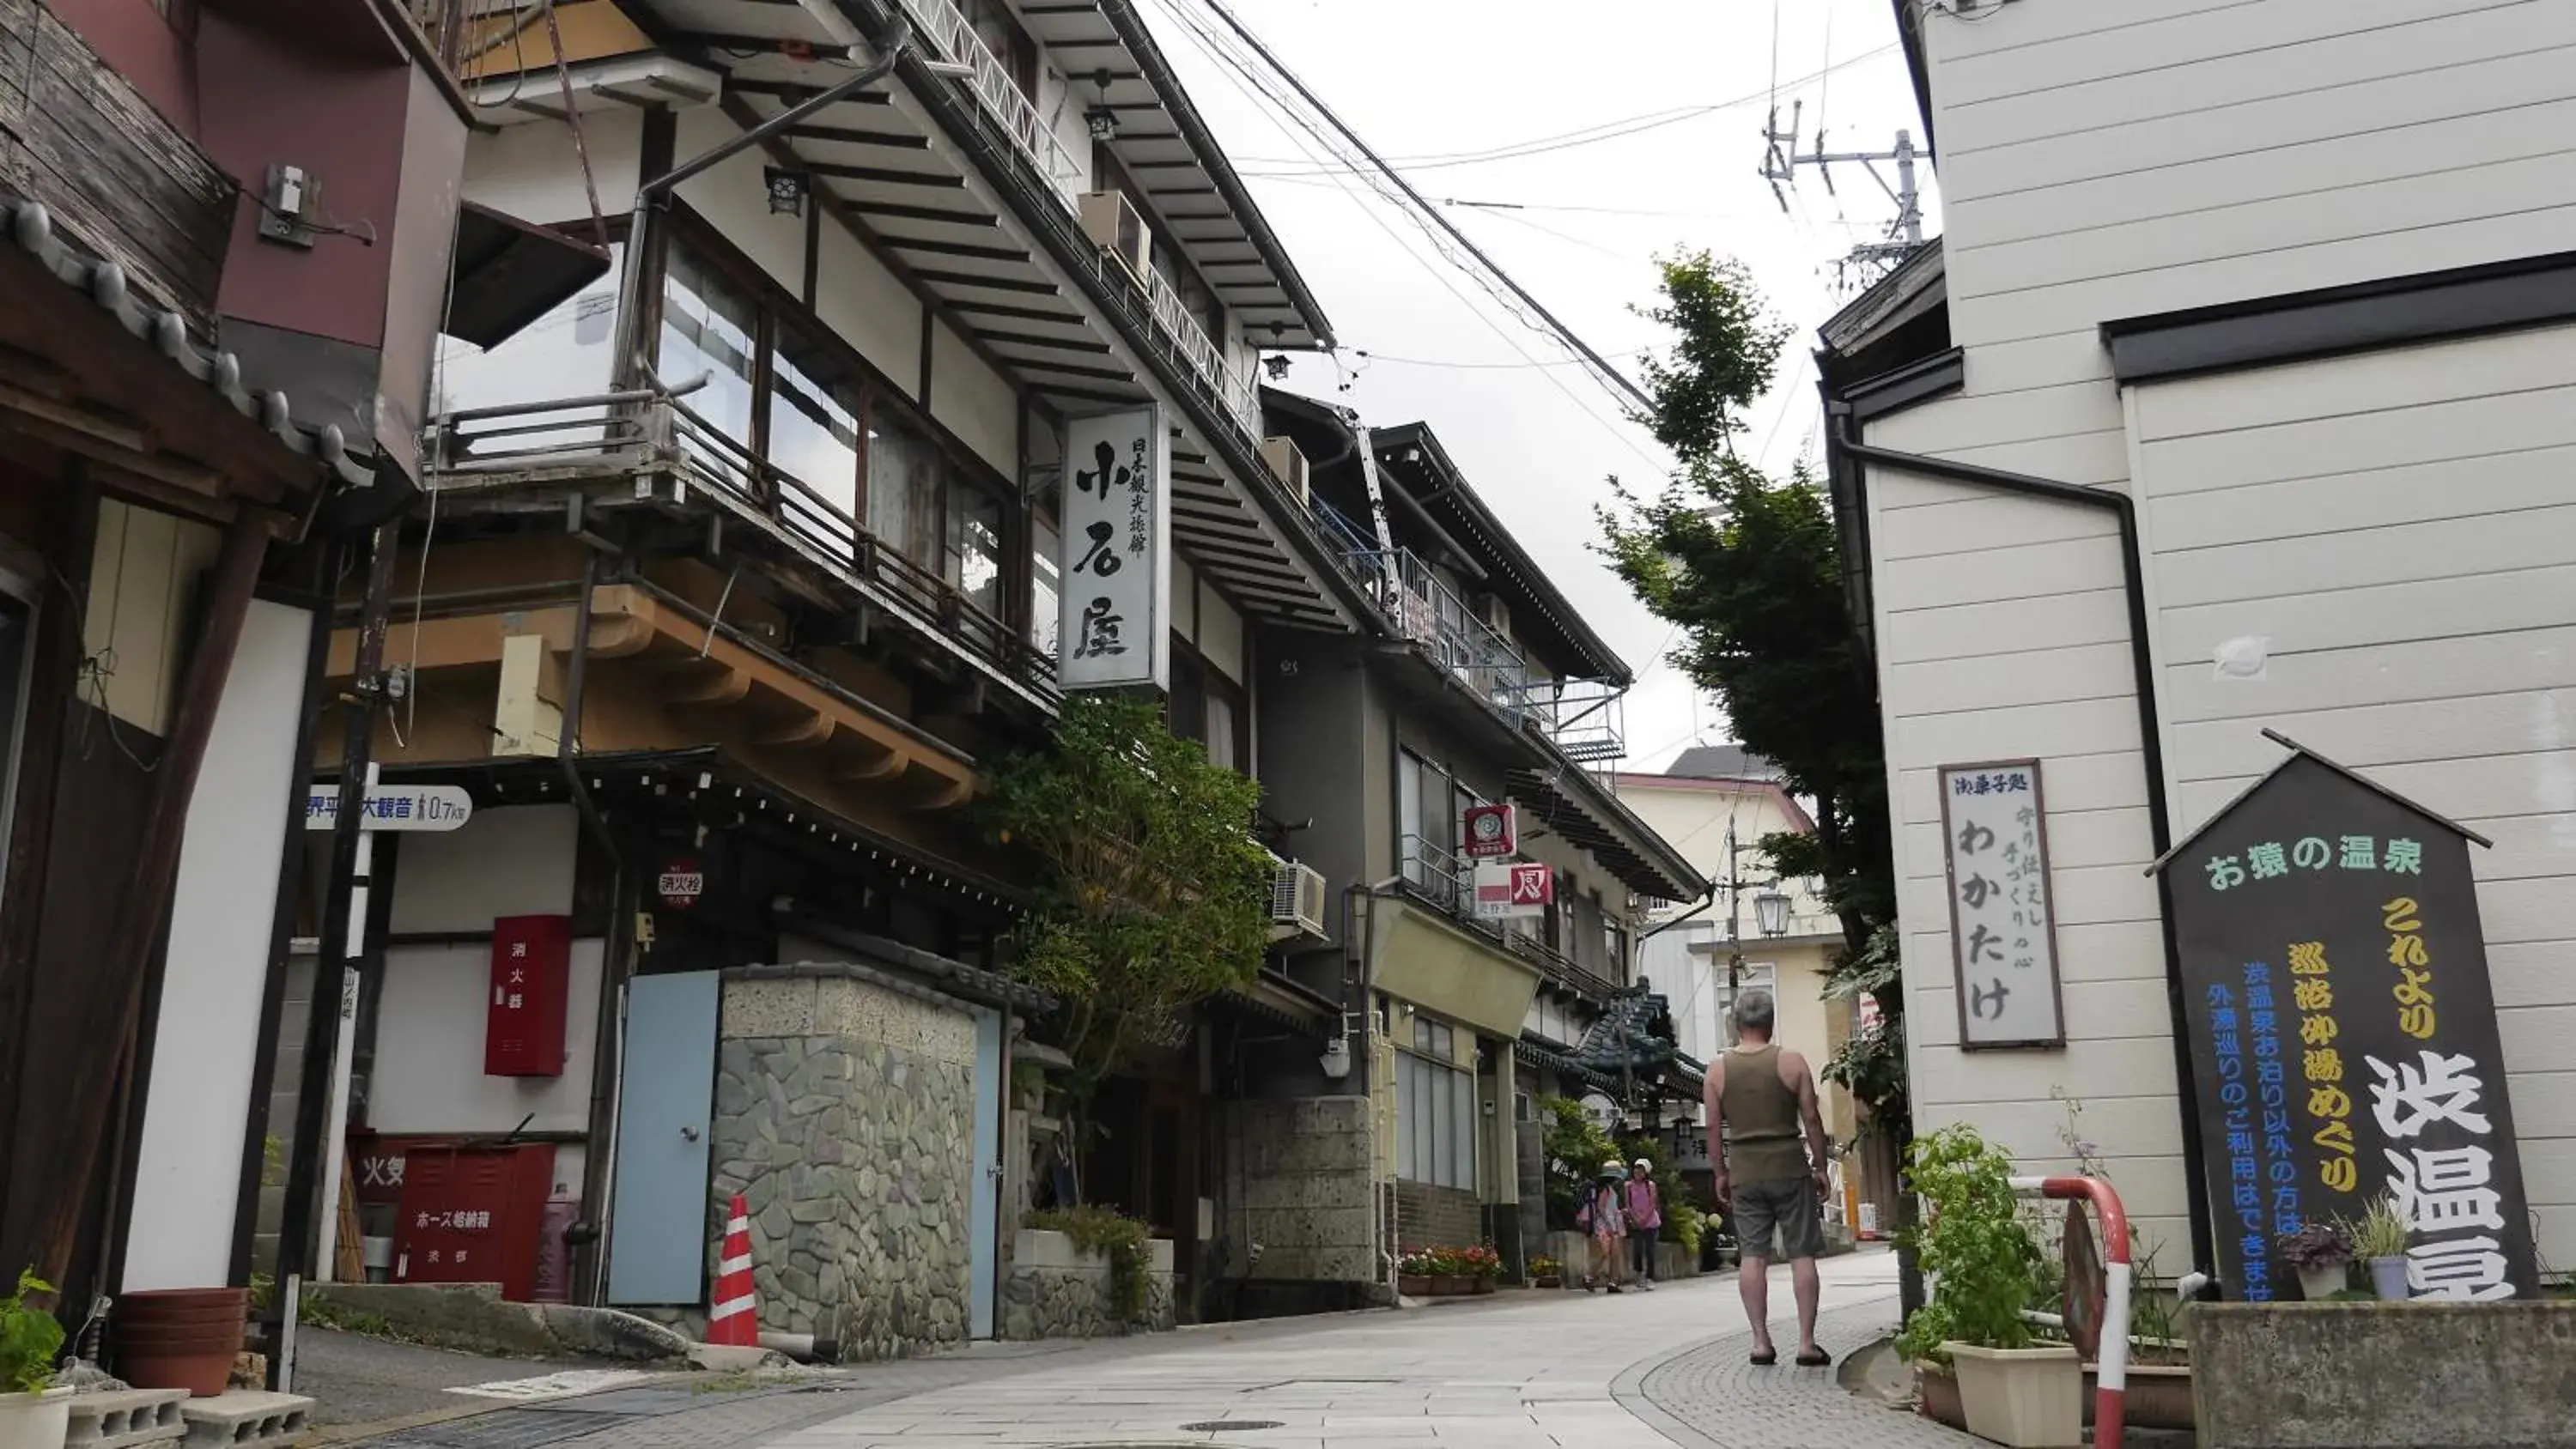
(1751, 568)
(1153, 893)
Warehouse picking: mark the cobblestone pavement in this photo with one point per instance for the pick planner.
(1711, 1396)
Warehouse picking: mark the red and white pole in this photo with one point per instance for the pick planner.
(2111, 1375)
(735, 1320)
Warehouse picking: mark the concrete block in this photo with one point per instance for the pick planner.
(246, 1419)
(2419, 1375)
(126, 1419)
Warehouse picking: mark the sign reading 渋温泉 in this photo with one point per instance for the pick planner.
(2003, 918)
(1116, 588)
(2343, 1033)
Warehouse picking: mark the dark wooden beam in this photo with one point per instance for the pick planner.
(853, 136)
(955, 249)
(112, 1013)
(887, 175)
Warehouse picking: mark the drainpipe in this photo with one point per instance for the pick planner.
(1841, 438)
(1364, 1059)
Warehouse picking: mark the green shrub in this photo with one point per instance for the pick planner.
(1984, 1267)
(29, 1338)
(1121, 1240)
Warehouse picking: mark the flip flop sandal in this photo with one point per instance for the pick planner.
(1818, 1359)
(1764, 1358)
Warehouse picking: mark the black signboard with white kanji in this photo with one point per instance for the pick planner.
(2343, 1033)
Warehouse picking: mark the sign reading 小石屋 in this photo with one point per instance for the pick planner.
(1117, 562)
(2343, 1033)
(2003, 918)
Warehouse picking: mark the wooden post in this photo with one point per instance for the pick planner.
(107, 1026)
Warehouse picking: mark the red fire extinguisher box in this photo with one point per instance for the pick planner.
(473, 1215)
(523, 1034)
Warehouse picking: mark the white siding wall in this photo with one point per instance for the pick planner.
(2399, 527)
(2115, 158)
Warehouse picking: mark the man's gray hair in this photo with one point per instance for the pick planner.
(1753, 1011)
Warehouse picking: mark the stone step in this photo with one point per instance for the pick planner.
(246, 1419)
(126, 1419)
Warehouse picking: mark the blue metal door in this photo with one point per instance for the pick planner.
(657, 1217)
(983, 1213)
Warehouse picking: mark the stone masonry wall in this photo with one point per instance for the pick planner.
(1301, 1182)
(845, 1115)
(1056, 1291)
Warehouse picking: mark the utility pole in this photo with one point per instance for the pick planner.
(1780, 163)
(335, 966)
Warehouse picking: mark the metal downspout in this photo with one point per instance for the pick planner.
(2123, 509)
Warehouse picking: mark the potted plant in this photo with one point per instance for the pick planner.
(2321, 1253)
(33, 1413)
(1984, 1267)
(1546, 1272)
(2379, 1239)
(1447, 1272)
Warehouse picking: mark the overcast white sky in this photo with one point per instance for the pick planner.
(1437, 78)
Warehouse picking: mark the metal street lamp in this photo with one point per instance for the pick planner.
(1771, 912)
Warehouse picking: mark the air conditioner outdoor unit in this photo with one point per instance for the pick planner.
(1284, 459)
(1296, 901)
(1114, 226)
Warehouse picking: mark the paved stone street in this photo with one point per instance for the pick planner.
(1517, 1372)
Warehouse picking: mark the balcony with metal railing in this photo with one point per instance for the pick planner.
(648, 446)
(947, 31)
(1447, 882)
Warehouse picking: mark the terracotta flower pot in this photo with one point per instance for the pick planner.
(179, 1339)
(1939, 1396)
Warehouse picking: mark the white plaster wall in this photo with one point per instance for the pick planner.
(868, 307)
(733, 196)
(531, 172)
(512, 861)
(429, 1048)
(196, 1110)
(973, 401)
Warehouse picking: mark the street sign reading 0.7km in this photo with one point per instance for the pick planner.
(2343, 1033)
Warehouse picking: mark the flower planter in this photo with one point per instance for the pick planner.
(39, 1420)
(2388, 1280)
(1548, 1280)
(2320, 1284)
(2027, 1398)
(2158, 1397)
(1938, 1395)
(1415, 1286)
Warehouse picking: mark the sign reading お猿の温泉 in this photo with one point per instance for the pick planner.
(2343, 1033)
(2003, 918)
(1116, 586)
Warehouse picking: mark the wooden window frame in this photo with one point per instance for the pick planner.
(775, 306)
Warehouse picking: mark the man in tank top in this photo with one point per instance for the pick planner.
(1761, 1104)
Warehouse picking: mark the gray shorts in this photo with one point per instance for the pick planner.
(1785, 1207)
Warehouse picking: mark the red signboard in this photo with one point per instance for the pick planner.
(523, 1032)
(473, 1215)
(1489, 833)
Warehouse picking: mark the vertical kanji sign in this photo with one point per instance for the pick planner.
(1116, 594)
(523, 1033)
(2003, 916)
(2343, 1033)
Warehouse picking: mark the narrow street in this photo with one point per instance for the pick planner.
(1519, 1371)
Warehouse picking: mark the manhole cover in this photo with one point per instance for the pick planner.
(1230, 1426)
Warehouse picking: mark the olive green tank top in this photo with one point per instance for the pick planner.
(1763, 1144)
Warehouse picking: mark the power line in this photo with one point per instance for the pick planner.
(1251, 87)
(1600, 364)
(1589, 136)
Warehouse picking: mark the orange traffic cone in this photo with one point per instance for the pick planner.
(735, 1320)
